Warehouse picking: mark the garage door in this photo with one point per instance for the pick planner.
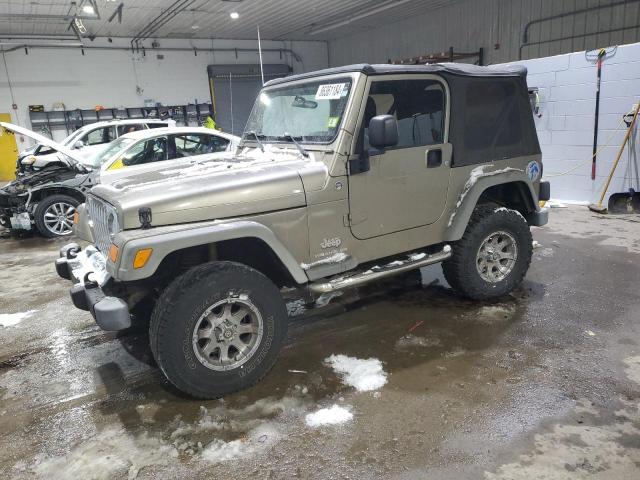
(234, 87)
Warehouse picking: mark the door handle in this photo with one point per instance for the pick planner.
(433, 157)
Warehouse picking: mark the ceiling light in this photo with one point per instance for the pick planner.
(88, 9)
(234, 15)
(195, 27)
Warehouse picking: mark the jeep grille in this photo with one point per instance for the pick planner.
(105, 222)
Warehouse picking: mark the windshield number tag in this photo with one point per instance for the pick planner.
(330, 91)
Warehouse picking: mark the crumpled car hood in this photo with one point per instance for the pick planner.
(52, 174)
(229, 187)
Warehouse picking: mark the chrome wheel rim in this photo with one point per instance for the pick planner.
(497, 256)
(228, 333)
(58, 218)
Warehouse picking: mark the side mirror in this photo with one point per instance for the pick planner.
(383, 131)
(78, 144)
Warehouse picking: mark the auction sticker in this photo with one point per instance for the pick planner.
(330, 91)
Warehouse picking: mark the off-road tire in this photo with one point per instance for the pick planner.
(179, 309)
(42, 207)
(460, 269)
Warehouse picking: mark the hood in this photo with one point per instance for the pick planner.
(42, 140)
(231, 186)
(54, 174)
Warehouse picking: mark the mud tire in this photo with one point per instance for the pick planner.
(461, 271)
(179, 309)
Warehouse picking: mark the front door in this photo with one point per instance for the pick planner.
(406, 186)
(8, 152)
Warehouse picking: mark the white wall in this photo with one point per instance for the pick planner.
(567, 86)
(109, 77)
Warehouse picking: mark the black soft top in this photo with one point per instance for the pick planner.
(462, 69)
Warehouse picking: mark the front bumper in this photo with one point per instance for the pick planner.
(86, 269)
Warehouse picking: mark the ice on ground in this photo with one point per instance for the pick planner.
(256, 441)
(410, 341)
(295, 308)
(12, 319)
(325, 298)
(633, 368)
(328, 416)
(547, 252)
(107, 455)
(492, 313)
(362, 374)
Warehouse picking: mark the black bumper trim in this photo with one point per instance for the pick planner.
(538, 219)
(544, 193)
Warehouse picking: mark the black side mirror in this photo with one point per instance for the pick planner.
(383, 131)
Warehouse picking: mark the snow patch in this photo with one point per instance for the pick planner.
(89, 260)
(411, 341)
(329, 416)
(362, 374)
(256, 441)
(107, 455)
(325, 298)
(335, 258)
(475, 175)
(12, 319)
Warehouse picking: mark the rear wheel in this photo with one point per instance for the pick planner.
(493, 255)
(218, 329)
(54, 215)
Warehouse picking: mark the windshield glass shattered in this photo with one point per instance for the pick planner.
(310, 112)
(109, 151)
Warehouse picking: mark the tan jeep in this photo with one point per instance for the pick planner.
(343, 176)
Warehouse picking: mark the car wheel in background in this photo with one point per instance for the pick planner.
(54, 215)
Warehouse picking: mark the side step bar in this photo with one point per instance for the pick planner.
(370, 275)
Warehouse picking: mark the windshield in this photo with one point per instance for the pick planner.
(109, 151)
(310, 112)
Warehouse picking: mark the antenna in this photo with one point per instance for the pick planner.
(260, 53)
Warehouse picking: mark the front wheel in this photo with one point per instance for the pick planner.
(218, 329)
(493, 255)
(54, 215)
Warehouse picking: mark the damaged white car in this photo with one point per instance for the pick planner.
(47, 199)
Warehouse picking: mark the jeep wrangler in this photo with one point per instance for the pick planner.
(343, 176)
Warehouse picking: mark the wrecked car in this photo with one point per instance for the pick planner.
(86, 141)
(344, 176)
(48, 198)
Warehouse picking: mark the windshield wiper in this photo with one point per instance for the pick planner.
(298, 146)
(255, 135)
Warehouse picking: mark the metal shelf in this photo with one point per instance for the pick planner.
(71, 120)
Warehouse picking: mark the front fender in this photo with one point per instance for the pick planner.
(468, 198)
(165, 240)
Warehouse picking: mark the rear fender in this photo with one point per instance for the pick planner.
(473, 191)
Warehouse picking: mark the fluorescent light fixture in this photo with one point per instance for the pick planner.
(88, 9)
(359, 16)
(195, 27)
(234, 15)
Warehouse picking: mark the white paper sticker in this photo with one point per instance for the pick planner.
(330, 91)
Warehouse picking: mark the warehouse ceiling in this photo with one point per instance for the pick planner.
(278, 19)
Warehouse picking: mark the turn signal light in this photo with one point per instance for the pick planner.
(113, 253)
(76, 218)
(142, 257)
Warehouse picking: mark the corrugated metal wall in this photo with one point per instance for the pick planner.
(498, 27)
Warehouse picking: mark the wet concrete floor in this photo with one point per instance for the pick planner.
(542, 384)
